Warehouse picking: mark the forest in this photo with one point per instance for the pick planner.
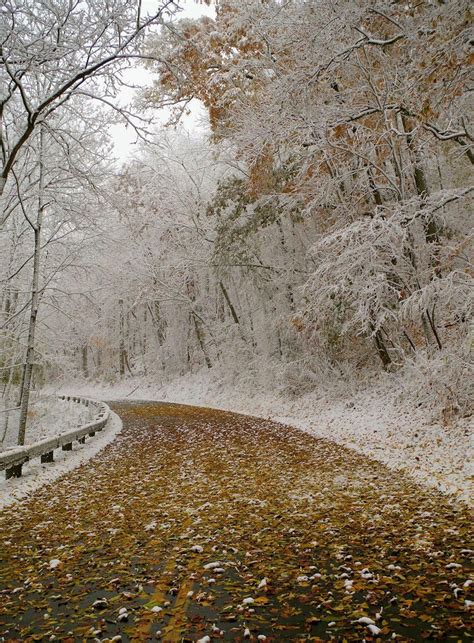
(236, 331)
(316, 233)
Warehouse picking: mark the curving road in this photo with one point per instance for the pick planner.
(197, 523)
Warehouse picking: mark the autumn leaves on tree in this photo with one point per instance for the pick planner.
(350, 123)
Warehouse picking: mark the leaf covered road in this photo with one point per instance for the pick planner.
(197, 523)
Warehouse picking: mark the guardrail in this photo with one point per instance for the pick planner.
(12, 460)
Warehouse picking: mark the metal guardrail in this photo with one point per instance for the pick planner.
(12, 460)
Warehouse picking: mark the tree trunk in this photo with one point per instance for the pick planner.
(229, 303)
(421, 184)
(85, 364)
(30, 350)
(382, 351)
(145, 340)
(157, 321)
(289, 290)
(200, 338)
(121, 339)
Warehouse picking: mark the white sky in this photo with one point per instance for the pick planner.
(123, 138)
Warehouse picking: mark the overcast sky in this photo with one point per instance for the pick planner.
(123, 138)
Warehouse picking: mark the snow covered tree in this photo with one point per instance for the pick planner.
(55, 171)
(53, 52)
(351, 125)
(322, 229)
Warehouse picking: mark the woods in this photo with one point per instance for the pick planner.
(247, 225)
(321, 232)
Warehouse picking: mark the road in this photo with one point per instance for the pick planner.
(196, 523)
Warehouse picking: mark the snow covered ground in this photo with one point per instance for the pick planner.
(36, 474)
(382, 421)
(47, 416)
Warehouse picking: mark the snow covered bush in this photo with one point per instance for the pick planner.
(382, 278)
(444, 382)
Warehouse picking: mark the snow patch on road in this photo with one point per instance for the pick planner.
(37, 474)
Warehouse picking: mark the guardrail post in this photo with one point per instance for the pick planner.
(67, 447)
(48, 457)
(13, 472)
